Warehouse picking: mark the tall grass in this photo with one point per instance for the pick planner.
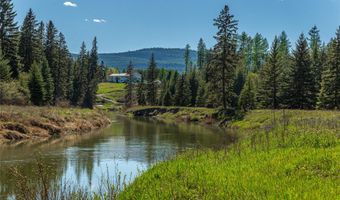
(282, 155)
(47, 186)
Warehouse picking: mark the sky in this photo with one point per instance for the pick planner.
(126, 25)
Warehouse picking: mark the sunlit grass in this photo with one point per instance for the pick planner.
(281, 155)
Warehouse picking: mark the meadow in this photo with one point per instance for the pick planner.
(280, 155)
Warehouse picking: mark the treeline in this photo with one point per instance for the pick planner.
(244, 73)
(36, 66)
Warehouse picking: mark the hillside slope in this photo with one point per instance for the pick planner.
(167, 58)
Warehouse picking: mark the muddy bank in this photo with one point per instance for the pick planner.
(23, 123)
(177, 114)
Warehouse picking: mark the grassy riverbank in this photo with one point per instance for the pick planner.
(281, 155)
(110, 96)
(18, 122)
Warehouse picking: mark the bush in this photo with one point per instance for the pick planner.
(12, 93)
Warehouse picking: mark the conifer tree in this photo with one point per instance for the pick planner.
(41, 42)
(329, 97)
(62, 66)
(9, 36)
(151, 94)
(302, 84)
(201, 55)
(141, 92)
(182, 95)
(286, 66)
(129, 97)
(270, 79)
(51, 54)
(247, 100)
(222, 65)
(28, 44)
(260, 47)
(187, 58)
(201, 95)
(80, 76)
(193, 85)
(167, 98)
(36, 85)
(316, 62)
(48, 83)
(5, 71)
(92, 76)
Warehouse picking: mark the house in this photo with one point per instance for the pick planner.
(123, 77)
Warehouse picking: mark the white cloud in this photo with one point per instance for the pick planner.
(99, 21)
(70, 4)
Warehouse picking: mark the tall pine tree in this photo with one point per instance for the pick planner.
(9, 36)
(36, 85)
(302, 84)
(270, 79)
(28, 45)
(329, 97)
(151, 95)
(222, 66)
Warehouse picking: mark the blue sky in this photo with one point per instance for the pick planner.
(123, 25)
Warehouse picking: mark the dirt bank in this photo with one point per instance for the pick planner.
(22, 123)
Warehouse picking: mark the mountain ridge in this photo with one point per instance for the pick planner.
(169, 58)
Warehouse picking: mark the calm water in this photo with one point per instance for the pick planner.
(127, 146)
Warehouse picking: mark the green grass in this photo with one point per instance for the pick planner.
(112, 91)
(281, 155)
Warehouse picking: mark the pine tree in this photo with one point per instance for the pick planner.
(201, 96)
(92, 76)
(51, 54)
(141, 92)
(28, 44)
(41, 42)
(193, 85)
(244, 52)
(270, 79)
(247, 100)
(9, 36)
(48, 83)
(80, 76)
(5, 71)
(317, 66)
(167, 98)
(286, 65)
(222, 66)
(187, 58)
(182, 95)
(129, 97)
(36, 85)
(63, 64)
(151, 94)
(201, 55)
(329, 97)
(260, 47)
(301, 84)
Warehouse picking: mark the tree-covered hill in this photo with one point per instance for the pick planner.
(166, 57)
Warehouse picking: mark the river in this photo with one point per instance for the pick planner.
(128, 146)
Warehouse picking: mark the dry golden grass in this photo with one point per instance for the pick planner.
(18, 123)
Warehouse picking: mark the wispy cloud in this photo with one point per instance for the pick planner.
(70, 4)
(99, 21)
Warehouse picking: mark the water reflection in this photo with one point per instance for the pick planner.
(127, 146)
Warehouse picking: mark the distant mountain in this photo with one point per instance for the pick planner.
(165, 58)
